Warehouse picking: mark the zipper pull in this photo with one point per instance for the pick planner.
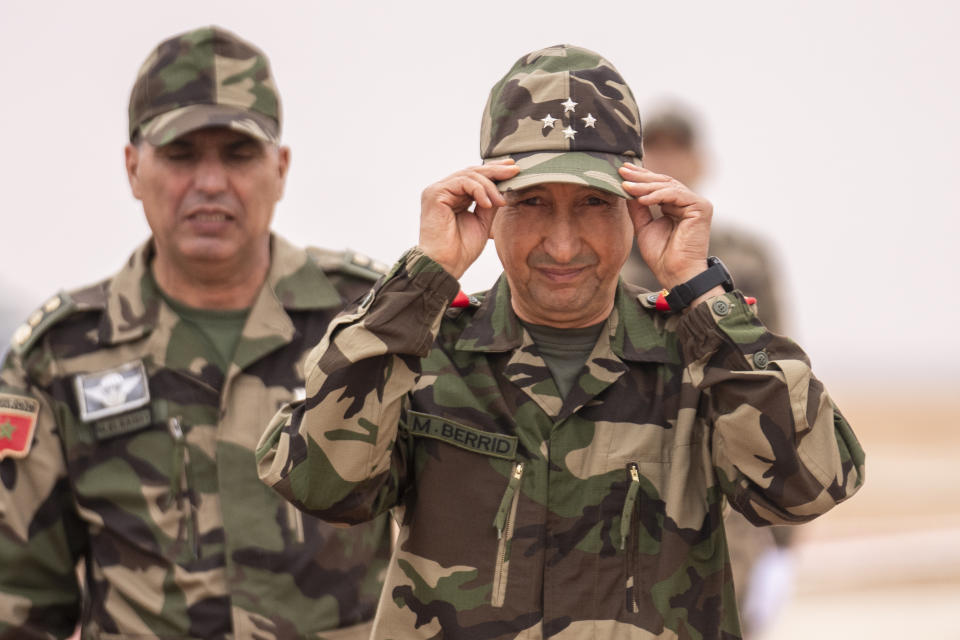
(629, 503)
(501, 518)
(179, 445)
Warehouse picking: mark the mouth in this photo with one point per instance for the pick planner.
(561, 275)
(207, 220)
(209, 215)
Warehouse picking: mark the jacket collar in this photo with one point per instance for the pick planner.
(294, 282)
(634, 333)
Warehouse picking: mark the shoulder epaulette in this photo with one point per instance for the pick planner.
(348, 262)
(42, 318)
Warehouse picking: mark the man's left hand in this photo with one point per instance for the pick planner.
(674, 245)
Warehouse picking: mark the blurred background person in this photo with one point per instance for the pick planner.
(760, 557)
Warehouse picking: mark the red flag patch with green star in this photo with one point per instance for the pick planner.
(18, 419)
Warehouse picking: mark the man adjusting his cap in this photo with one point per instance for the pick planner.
(559, 450)
(134, 405)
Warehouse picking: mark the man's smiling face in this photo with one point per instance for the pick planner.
(562, 246)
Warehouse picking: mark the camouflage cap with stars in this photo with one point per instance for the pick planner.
(207, 77)
(564, 114)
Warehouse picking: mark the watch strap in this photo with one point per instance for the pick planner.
(682, 295)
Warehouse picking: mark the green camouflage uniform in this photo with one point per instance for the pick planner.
(162, 501)
(528, 515)
(755, 274)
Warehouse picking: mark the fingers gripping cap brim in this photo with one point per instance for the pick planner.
(169, 126)
(573, 167)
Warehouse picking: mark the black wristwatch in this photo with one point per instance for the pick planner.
(682, 295)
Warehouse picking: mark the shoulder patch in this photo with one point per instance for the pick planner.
(349, 262)
(18, 420)
(42, 318)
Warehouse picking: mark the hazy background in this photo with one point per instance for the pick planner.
(833, 128)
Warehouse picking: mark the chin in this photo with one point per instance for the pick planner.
(207, 250)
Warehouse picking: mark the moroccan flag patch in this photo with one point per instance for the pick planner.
(18, 419)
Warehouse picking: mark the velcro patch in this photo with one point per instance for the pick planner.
(469, 438)
(18, 420)
(112, 391)
(122, 424)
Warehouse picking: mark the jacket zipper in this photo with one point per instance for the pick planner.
(180, 485)
(295, 523)
(629, 531)
(504, 521)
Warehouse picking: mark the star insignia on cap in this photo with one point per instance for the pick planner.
(548, 121)
(569, 133)
(569, 105)
(589, 121)
(7, 430)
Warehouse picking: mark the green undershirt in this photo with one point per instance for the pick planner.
(564, 350)
(221, 328)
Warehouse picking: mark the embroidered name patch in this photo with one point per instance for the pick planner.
(112, 391)
(123, 424)
(469, 438)
(18, 419)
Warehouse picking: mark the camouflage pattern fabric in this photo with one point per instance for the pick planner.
(564, 114)
(207, 77)
(528, 515)
(161, 499)
(754, 272)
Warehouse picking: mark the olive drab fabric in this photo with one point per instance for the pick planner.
(525, 514)
(564, 114)
(142, 464)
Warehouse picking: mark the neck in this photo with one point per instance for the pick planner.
(560, 320)
(212, 285)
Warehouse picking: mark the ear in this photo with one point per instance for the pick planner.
(131, 156)
(283, 165)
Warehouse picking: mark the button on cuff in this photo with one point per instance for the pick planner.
(761, 359)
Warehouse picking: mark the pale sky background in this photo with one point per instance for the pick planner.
(834, 129)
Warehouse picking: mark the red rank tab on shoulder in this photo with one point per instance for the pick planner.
(18, 419)
(461, 300)
(750, 300)
(662, 304)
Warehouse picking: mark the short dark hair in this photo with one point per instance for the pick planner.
(670, 127)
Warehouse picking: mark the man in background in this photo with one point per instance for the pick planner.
(760, 557)
(130, 409)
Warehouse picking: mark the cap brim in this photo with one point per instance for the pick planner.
(169, 126)
(588, 168)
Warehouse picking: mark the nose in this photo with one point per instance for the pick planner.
(562, 236)
(211, 175)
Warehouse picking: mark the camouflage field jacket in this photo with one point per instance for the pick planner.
(528, 515)
(141, 462)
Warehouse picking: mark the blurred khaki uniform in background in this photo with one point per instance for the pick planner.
(130, 409)
(759, 556)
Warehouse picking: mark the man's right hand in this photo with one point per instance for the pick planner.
(451, 233)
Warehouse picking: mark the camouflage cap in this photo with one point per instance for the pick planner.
(563, 114)
(207, 77)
